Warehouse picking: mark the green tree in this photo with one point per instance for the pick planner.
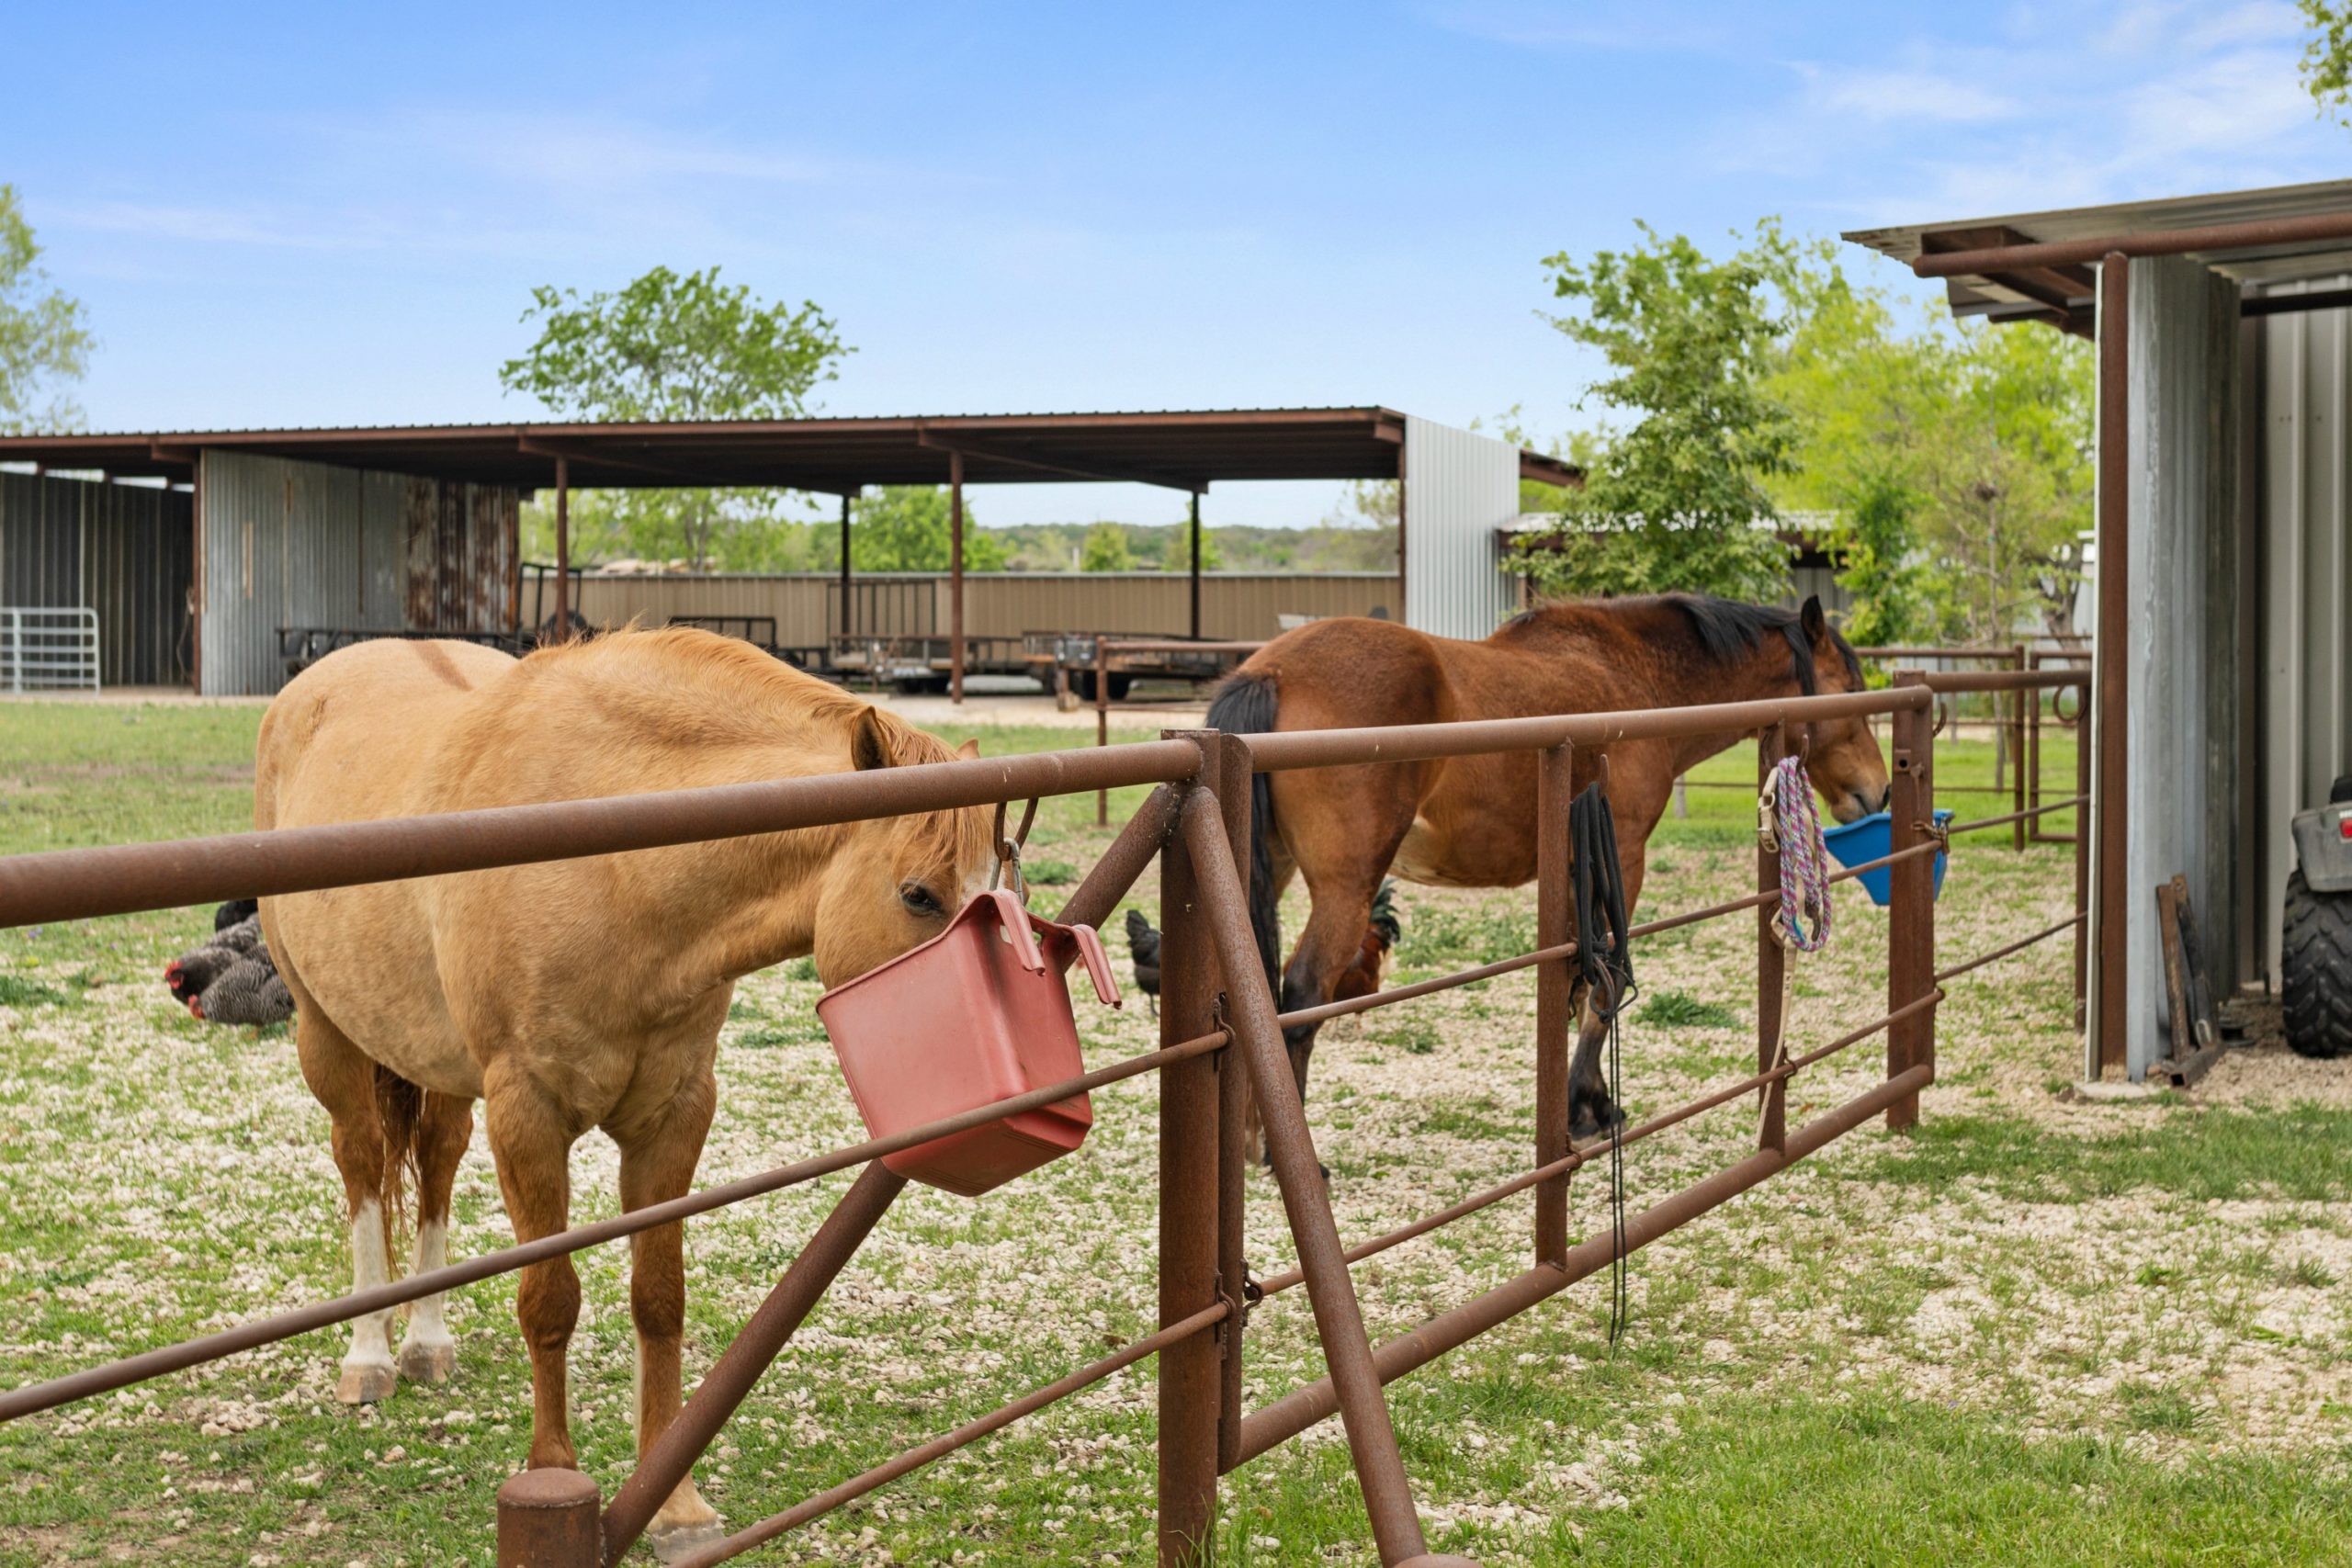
(1677, 498)
(1955, 458)
(1105, 549)
(905, 528)
(44, 332)
(674, 346)
(2327, 55)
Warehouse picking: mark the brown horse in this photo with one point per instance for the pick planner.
(1470, 821)
(575, 994)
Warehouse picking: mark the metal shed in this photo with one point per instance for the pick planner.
(2223, 704)
(412, 528)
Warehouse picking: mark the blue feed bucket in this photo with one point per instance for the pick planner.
(1871, 838)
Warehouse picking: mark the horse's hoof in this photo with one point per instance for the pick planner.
(364, 1383)
(676, 1541)
(428, 1363)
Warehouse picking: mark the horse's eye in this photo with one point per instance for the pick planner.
(921, 900)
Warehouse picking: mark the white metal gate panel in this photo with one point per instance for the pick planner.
(47, 649)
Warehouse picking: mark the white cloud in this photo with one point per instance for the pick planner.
(1881, 95)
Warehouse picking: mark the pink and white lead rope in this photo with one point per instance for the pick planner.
(1793, 828)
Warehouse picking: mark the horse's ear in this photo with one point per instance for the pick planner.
(1815, 624)
(869, 741)
(969, 750)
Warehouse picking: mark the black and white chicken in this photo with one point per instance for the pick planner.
(232, 978)
(1143, 943)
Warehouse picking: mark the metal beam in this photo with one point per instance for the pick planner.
(964, 446)
(1196, 566)
(539, 446)
(849, 614)
(2318, 226)
(562, 549)
(2289, 304)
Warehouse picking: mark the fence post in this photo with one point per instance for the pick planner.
(1772, 957)
(2033, 833)
(1192, 1375)
(1233, 790)
(546, 1519)
(2018, 792)
(1101, 724)
(1911, 921)
(1554, 993)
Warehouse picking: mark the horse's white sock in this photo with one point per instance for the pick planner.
(372, 1343)
(425, 1322)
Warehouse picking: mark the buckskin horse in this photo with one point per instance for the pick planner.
(1470, 821)
(574, 993)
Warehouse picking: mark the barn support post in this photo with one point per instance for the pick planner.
(563, 551)
(955, 576)
(849, 614)
(1191, 1380)
(195, 584)
(2109, 653)
(2085, 733)
(1196, 622)
(1401, 488)
(1555, 989)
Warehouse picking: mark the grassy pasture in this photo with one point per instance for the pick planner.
(2036, 1331)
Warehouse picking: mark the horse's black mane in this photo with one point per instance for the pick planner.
(1729, 629)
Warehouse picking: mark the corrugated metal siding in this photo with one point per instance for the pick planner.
(123, 550)
(293, 544)
(1458, 488)
(2305, 520)
(1234, 605)
(2183, 680)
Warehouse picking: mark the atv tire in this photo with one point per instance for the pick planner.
(2317, 965)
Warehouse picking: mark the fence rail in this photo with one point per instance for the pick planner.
(45, 648)
(1219, 1022)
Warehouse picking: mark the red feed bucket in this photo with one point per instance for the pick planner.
(977, 1013)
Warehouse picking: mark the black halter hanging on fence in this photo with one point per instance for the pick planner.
(1605, 956)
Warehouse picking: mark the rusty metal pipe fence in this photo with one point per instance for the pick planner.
(1220, 1040)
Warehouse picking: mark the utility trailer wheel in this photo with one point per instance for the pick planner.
(2317, 970)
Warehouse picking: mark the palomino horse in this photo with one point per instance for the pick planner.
(574, 994)
(1470, 821)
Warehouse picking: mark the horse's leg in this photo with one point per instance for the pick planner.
(1342, 841)
(531, 1137)
(345, 1082)
(428, 1352)
(658, 1164)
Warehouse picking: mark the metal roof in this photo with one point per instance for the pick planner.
(1181, 449)
(2064, 293)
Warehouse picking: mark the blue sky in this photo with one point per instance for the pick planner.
(333, 215)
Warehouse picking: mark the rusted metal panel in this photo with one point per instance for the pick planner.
(296, 544)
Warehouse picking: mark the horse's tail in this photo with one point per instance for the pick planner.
(400, 1106)
(1247, 704)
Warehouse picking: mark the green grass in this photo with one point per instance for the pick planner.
(1679, 1009)
(1720, 815)
(2298, 1153)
